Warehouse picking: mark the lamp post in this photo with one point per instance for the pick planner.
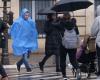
(4, 56)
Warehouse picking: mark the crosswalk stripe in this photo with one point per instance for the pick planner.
(47, 75)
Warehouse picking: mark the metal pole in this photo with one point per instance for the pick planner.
(4, 56)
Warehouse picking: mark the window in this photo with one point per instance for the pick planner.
(40, 19)
(25, 4)
(39, 5)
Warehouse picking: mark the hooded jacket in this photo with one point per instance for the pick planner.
(24, 35)
(95, 29)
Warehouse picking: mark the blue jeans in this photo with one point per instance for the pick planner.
(24, 60)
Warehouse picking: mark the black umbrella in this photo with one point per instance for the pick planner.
(71, 5)
(47, 11)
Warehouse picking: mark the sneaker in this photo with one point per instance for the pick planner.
(65, 78)
(78, 74)
(29, 69)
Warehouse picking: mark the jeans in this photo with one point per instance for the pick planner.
(24, 60)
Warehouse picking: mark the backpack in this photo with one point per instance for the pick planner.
(70, 39)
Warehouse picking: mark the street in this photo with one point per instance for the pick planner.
(36, 74)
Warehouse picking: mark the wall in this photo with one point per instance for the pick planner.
(89, 17)
(15, 8)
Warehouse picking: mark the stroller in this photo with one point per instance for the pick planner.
(86, 55)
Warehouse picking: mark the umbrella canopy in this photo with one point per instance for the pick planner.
(71, 5)
(47, 11)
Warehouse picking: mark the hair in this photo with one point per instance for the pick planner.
(49, 17)
(67, 14)
(73, 20)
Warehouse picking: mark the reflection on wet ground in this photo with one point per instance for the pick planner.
(36, 74)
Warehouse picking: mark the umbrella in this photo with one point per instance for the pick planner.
(71, 5)
(47, 11)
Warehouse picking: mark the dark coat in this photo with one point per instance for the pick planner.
(53, 39)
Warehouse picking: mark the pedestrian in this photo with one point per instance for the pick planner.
(52, 44)
(3, 73)
(24, 35)
(70, 41)
(95, 32)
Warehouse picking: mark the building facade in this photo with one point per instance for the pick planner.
(84, 17)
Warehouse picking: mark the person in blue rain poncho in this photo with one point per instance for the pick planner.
(24, 36)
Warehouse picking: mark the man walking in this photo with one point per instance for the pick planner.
(24, 35)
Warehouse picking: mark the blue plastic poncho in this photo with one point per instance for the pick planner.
(24, 35)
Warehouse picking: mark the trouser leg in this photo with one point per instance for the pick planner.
(98, 57)
(20, 62)
(25, 61)
(46, 57)
(57, 60)
(63, 61)
(72, 58)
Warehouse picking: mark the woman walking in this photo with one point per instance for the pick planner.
(70, 40)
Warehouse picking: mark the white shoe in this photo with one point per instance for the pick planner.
(65, 78)
(69, 65)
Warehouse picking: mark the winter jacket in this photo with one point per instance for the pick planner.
(52, 43)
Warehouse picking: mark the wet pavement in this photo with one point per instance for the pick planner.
(36, 74)
(49, 73)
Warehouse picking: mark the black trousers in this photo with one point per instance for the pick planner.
(2, 71)
(57, 59)
(98, 57)
(72, 58)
